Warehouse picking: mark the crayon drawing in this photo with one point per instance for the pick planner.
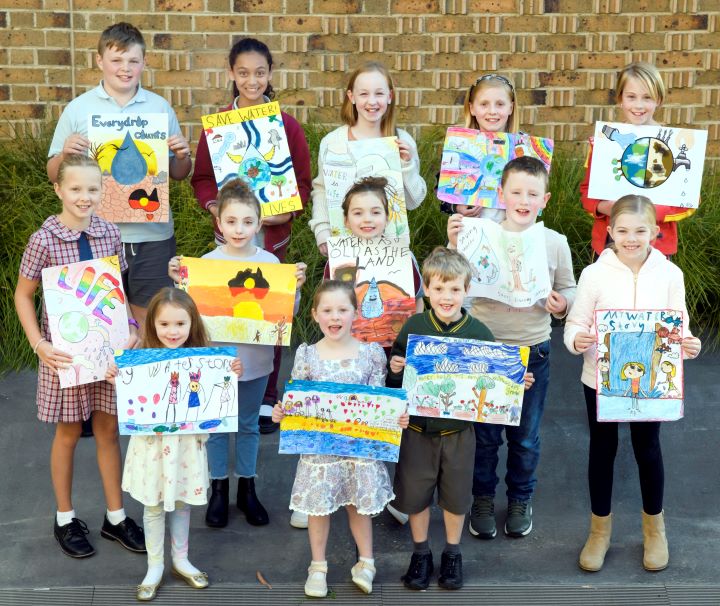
(639, 365)
(354, 160)
(473, 161)
(242, 302)
(181, 391)
(132, 152)
(251, 143)
(382, 271)
(341, 419)
(87, 317)
(465, 379)
(510, 267)
(665, 164)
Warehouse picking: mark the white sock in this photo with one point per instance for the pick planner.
(115, 517)
(179, 532)
(154, 525)
(153, 575)
(64, 517)
(183, 565)
(370, 561)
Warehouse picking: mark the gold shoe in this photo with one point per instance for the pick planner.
(197, 581)
(145, 593)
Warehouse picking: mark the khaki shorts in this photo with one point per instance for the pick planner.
(430, 462)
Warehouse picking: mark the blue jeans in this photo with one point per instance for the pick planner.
(523, 440)
(247, 438)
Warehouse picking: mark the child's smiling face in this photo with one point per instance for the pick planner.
(121, 69)
(371, 95)
(366, 215)
(446, 297)
(334, 314)
(251, 74)
(172, 326)
(637, 103)
(524, 196)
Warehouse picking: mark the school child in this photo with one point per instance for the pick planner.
(368, 112)
(639, 92)
(490, 106)
(630, 274)
(436, 454)
(250, 67)
(168, 473)
(76, 234)
(239, 222)
(325, 483)
(524, 191)
(121, 58)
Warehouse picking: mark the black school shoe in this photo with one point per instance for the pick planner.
(451, 575)
(127, 533)
(72, 539)
(418, 573)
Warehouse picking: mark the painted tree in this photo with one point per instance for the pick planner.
(278, 181)
(480, 389)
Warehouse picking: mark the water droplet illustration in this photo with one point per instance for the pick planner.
(372, 305)
(129, 165)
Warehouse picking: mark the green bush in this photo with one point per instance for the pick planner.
(28, 199)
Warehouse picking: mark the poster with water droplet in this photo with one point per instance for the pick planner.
(132, 152)
(188, 390)
(662, 163)
(87, 317)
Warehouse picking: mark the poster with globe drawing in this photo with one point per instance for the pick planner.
(132, 152)
(250, 143)
(87, 317)
(382, 271)
(465, 379)
(510, 267)
(662, 163)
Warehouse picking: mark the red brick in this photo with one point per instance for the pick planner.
(4, 92)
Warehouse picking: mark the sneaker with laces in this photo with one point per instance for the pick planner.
(418, 573)
(363, 574)
(316, 584)
(519, 519)
(482, 518)
(451, 574)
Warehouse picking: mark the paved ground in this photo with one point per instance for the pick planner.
(30, 557)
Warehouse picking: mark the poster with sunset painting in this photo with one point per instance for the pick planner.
(242, 302)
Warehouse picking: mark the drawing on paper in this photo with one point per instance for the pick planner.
(465, 379)
(242, 302)
(510, 267)
(251, 144)
(341, 419)
(87, 317)
(664, 164)
(639, 365)
(176, 391)
(382, 271)
(473, 162)
(132, 152)
(354, 160)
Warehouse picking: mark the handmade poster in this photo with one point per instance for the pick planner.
(382, 271)
(465, 379)
(473, 162)
(664, 164)
(251, 143)
(87, 317)
(242, 302)
(341, 419)
(350, 162)
(176, 391)
(510, 267)
(639, 365)
(132, 152)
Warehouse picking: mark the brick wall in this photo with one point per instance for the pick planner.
(562, 54)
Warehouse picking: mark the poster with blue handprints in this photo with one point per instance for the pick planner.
(132, 152)
(250, 143)
(662, 163)
(465, 379)
(639, 364)
(473, 161)
(176, 391)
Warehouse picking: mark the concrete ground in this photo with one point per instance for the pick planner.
(546, 559)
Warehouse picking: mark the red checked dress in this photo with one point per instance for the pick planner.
(55, 244)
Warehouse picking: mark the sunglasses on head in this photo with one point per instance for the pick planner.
(502, 79)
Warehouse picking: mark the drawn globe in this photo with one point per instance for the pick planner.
(647, 163)
(73, 326)
(255, 172)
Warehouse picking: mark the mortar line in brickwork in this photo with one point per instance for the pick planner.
(71, 9)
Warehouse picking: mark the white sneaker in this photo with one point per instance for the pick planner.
(363, 575)
(299, 520)
(401, 517)
(316, 584)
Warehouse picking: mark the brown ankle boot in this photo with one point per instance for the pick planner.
(656, 554)
(592, 555)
